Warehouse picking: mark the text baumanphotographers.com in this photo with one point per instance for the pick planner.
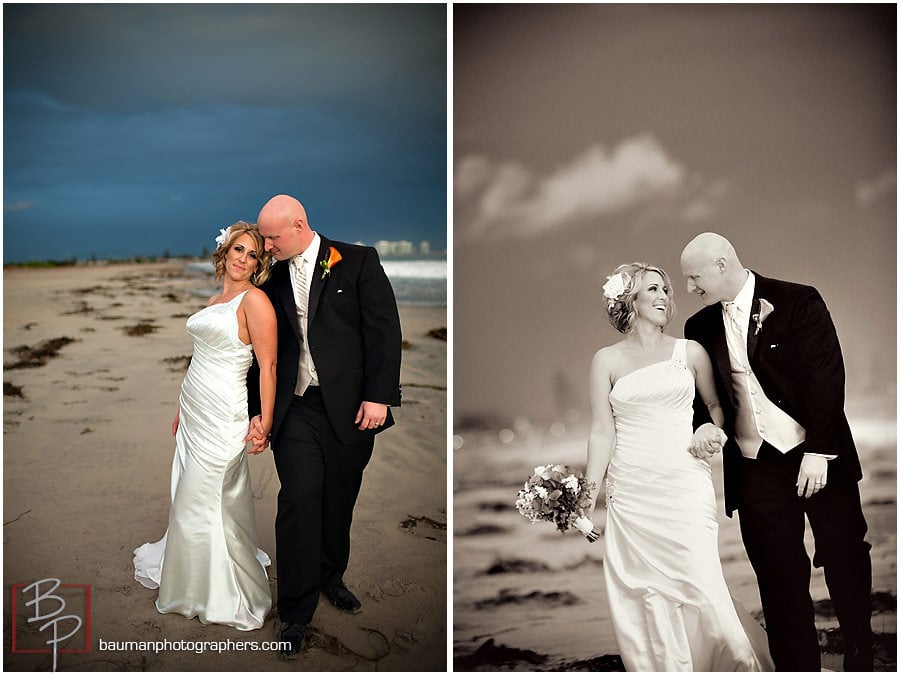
(196, 646)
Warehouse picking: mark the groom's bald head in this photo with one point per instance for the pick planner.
(712, 268)
(284, 226)
(710, 246)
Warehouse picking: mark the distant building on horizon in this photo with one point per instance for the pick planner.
(394, 247)
(401, 248)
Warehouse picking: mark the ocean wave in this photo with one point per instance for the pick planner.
(415, 282)
(415, 269)
(874, 431)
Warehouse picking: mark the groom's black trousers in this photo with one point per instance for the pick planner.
(320, 481)
(773, 525)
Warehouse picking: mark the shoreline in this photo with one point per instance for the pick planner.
(51, 263)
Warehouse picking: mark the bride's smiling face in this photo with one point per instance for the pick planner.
(652, 301)
(242, 260)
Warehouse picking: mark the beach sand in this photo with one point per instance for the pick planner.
(88, 407)
(529, 598)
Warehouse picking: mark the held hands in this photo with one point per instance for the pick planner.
(370, 415)
(707, 441)
(176, 423)
(813, 475)
(258, 435)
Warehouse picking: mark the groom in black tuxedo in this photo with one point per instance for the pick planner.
(338, 372)
(780, 378)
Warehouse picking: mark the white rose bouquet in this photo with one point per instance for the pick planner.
(559, 495)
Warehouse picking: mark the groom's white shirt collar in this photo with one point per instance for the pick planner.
(744, 299)
(308, 256)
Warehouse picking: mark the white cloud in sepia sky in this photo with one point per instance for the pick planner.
(510, 200)
(870, 191)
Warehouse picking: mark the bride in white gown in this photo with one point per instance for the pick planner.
(669, 604)
(207, 564)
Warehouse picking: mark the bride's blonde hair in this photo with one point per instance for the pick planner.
(262, 255)
(621, 309)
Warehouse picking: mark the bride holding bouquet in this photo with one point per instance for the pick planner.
(670, 607)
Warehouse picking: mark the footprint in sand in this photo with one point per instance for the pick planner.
(390, 588)
(405, 640)
(367, 644)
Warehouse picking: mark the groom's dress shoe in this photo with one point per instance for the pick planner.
(343, 599)
(290, 635)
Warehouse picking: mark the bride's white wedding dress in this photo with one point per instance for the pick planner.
(670, 607)
(207, 564)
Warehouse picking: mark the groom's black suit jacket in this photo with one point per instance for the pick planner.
(354, 338)
(797, 359)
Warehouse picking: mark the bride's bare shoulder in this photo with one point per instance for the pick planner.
(695, 351)
(607, 357)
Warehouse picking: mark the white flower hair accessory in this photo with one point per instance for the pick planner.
(223, 236)
(615, 286)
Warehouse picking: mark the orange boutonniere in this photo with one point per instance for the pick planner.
(334, 257)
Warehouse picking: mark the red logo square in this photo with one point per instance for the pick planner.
(48, 616)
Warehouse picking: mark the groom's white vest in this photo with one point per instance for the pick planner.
(757, 418)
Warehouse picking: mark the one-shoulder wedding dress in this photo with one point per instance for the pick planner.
(670, 607)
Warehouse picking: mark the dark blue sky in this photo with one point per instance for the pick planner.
(138, 129)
